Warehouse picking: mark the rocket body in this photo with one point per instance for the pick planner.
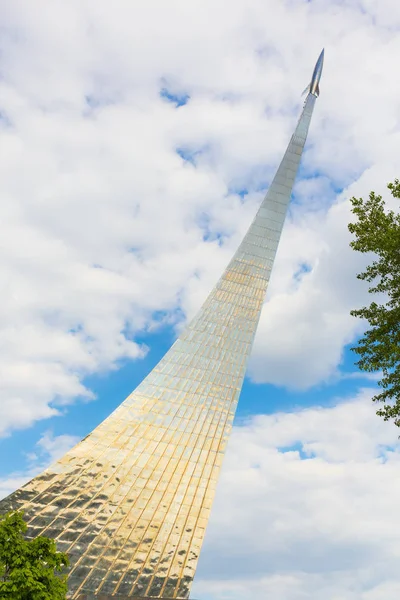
(316, 76)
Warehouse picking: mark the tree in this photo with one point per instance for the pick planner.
(377, 230)
(27, 567)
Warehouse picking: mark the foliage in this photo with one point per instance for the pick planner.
(27, 567)
(377, 230)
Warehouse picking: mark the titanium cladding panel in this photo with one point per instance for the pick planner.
(130, 503)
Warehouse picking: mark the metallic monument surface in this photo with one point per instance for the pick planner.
(130, 503)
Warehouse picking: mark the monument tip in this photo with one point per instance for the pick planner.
(313, 87)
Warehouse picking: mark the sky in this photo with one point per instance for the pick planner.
(137, 141)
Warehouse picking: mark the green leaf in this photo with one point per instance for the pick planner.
(377, 231)
(28, 568)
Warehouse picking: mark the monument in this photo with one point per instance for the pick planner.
(130, 502)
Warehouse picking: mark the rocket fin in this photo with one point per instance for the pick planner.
(306, 90)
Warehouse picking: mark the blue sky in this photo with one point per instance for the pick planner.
(136, 147)
(111, 388)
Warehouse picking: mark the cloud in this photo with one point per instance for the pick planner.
(52, 448)
(306, 322)
(47, 450)
(105, 221)
(306, 507)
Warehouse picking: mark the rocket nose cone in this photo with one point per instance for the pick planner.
(320, 62)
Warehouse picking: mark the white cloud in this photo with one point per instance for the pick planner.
(306, 323)
(55, 447)
(47, 450)
(306, 506)
(324, 526)
(103, 222)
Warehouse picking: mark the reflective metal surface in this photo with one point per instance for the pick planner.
(130, 503)
(316, 76)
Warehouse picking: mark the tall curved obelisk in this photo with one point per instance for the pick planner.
(130, 503)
